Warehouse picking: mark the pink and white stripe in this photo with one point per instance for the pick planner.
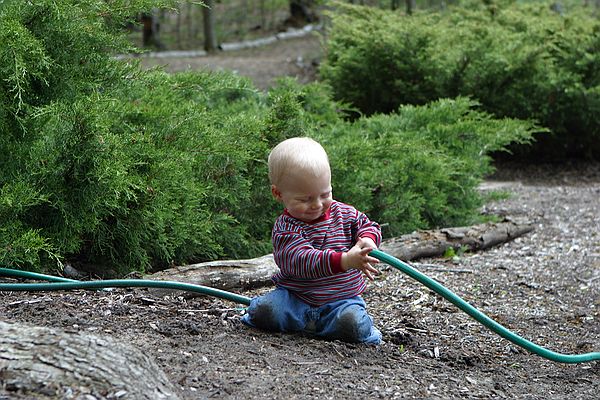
(309, 254)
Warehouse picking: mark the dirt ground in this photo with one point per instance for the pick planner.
(545, 286)
(296, 57)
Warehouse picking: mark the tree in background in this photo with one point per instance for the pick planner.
(210, 33)
(303, 12)
(151, 29)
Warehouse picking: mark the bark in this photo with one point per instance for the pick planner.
(257, 272)
(434, 243)
(150, 30)
(208, 18)
(49, 363)
(225, 274)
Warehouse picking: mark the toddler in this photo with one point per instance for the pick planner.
(321, 247)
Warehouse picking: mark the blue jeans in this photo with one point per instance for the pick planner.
(281, 311)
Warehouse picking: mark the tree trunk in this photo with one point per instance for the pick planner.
(257, 272)
(49, 363)
(302, 12)
(410, 6)
(225, 274)
(178, 25)
(208, 18)
(151, 27)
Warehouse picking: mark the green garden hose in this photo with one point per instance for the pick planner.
(481, 317)
(64, 284)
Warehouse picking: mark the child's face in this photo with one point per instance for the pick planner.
(305, 197)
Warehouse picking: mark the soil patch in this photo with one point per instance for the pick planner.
(545, 286)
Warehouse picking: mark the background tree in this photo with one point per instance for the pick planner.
(303, 12)
(151, 29)
(210, 33)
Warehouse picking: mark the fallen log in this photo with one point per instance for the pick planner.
(223, 274)
(48, 363)
(257, 272)
(433, 243)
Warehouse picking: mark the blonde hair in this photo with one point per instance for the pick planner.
(299, 153)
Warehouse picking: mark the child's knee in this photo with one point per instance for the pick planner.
(261, 314)
(263, 317)
(354, 325)
(275, 312)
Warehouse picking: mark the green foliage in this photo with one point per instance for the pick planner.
(497, 195)
(20, 245)
(107, 164)
(520, 61)
(298, 110)
(114, 166)
(156, 173)
(420, 167)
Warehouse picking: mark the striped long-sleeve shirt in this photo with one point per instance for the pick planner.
(309, 254)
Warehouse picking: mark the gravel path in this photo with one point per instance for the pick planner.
(296, 57)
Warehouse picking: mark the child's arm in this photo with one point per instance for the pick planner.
(296, 257)
(367, 231)
(368, 235)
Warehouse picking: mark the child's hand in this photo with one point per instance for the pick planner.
(358, 258)
(366, 242)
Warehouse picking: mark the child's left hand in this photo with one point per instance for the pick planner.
(358, 258)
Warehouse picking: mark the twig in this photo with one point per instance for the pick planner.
(434, 267)
(209, 310)
(410, 328)
(590, 280)
(14, 303)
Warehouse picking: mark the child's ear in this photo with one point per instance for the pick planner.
(276, 193)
